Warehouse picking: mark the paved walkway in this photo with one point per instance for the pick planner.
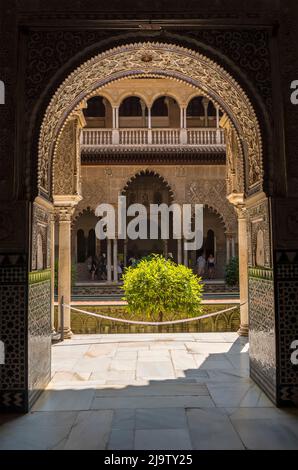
(152, 391)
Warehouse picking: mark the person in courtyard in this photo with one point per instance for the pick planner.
(201, 264)
(211, 266)
(101, 269)
(132, 261)
(93, 267)
(119, 270)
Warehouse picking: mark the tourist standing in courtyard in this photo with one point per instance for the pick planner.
(211, 266)
(201, 264)
(93, 267)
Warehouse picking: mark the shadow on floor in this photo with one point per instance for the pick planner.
(155, 392)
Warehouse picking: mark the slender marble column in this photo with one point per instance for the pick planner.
(217, 126)
(185, 255)
(165, 248)
(205, 103)
(109, 259)
(243, 271)
(228, 257)
(233, 247)
(115, 259)
(115, 131)
(53, 273)
(64, 269)
(183, 131)
(125, 253)
(149, 127)
(179, 251)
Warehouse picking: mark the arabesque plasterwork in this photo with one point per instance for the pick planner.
(145, 59)
(213, 194)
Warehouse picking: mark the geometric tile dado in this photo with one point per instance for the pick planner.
(39, 332)
(13, 305)
(287, 306)
(262, 330)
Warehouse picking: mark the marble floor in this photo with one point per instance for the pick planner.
(152, 391)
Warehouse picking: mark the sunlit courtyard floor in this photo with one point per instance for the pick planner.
(152, 391)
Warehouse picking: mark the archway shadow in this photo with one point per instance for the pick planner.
(209, 403)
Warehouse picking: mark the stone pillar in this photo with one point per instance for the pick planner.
(233, 246)
(115, 131)
(243, 270)
(149, 118)
(64, 268)
(181, 117)
(217, 126)
(109, 259)
(115, 259)
(179, 251)
(117, 116)
(52, 261)
(205, 103)
(165, 248)
(217, 117)
(227, 249)
(183, 131)
(143, 107)
(149, 126)
(125, 253)
(185, 255)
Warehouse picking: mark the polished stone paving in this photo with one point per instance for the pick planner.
(152, 391)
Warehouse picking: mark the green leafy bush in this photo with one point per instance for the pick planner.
(232, 272)
(160, 289)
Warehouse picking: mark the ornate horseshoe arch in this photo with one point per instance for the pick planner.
(147, 59)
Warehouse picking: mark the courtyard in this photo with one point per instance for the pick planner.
(152, 391)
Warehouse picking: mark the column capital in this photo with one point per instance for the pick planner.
(65, 206)
(241, 211)
(205, 101)
(64, 214)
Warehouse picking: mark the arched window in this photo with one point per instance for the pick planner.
(81, 246)
(159, 107)
(95, 107)
(211, 109)
(91, 243)
(209, 244)
(131, 107)
(195, 107)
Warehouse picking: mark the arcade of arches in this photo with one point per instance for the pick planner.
(157, 123)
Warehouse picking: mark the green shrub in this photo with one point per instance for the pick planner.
(160, 289)
(73, 274)
(232, 272)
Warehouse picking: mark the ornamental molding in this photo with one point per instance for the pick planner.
(166, 60)
(212, 193)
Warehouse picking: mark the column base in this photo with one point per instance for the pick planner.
(55, 335)
(243, 330)
(67, 333)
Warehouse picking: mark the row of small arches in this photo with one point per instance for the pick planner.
(134, 106)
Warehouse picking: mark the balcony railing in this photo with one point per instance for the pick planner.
(156, 137)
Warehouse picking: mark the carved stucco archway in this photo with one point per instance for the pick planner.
(212, 194)
(149, 172)
(147, 59)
